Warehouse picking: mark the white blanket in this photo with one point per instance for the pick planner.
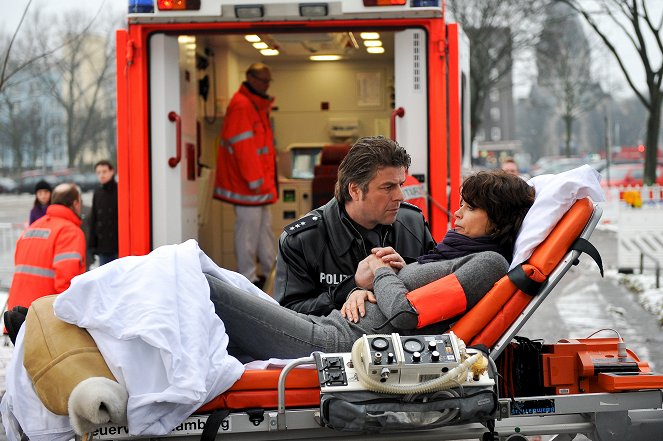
(156, 328)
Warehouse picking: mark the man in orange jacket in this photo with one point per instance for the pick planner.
(51, 251)
(246, 172)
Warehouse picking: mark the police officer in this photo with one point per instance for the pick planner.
(318, 264)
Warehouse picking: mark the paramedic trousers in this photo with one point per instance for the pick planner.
(254, 240)
(264, 329)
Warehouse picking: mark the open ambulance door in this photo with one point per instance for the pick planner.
(411, 90)
(458, 107)
(173, 153)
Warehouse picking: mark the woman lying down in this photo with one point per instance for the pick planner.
(464, 266)
(151, 320)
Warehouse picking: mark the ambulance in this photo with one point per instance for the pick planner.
(341, 69)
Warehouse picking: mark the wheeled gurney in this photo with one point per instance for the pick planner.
(593, 386)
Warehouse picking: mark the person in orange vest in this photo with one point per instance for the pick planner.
(51, 251)
(246, 172)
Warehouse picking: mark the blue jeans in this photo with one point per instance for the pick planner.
(263, 329)
(105, 258)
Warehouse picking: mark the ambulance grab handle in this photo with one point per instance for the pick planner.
(174, 160)
(400, 112)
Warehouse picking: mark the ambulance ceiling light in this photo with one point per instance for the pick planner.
(375, 50)
(324, 57)
(261, 45)
(249, 11)
(252, 38)
(372, 43)
(313, 10)
(186, 39)
(269, 52)
(370, 35)
(141, 6)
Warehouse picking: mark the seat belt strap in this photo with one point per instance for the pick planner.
(213, 423)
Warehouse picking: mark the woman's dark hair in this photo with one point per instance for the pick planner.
(506, 198)
(363, 161)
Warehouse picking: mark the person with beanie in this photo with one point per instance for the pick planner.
(42, 200)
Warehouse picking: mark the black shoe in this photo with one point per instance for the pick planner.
(13, 321)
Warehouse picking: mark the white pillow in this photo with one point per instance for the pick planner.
(555, 194)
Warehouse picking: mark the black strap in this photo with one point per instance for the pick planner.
(524, 283)
(585, 246)
(213, 423)
(531, 287)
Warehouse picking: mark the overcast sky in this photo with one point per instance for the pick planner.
(611, 76)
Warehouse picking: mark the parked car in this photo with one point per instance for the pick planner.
(8, 185)
(86, 181)
(28, 183)
(625, 175)
(553, 166)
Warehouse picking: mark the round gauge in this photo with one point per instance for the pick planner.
(413, 345)
(380, 344)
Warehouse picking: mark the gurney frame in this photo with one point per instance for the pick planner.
(623, 416)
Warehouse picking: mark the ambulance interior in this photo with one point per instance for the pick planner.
(316, 103)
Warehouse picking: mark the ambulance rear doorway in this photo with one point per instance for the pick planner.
(317, 103)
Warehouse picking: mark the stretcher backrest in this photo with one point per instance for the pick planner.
(501, 312)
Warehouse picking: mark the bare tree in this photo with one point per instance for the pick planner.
(564, 64)
(496, 29)
(77, 78)
(636, 24)
(69, 62)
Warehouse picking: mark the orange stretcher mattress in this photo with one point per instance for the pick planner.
(258, 389)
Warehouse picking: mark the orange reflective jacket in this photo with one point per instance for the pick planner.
(246, 163)
(49, 253)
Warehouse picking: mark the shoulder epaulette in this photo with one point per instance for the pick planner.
(303, 224)
(410, 206)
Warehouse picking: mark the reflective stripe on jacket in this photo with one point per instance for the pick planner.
(246, 162)
(49, 253)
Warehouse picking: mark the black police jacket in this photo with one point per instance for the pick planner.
(319, 254)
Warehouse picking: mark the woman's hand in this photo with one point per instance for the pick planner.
(355, 305)
(364, 274)
(389, 257)
(379, 257)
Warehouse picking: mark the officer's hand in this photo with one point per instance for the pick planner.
(364, 274)
(355, 305)
(390, 257)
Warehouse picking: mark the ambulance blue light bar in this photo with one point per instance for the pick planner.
(425, 3)
(141, 6)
